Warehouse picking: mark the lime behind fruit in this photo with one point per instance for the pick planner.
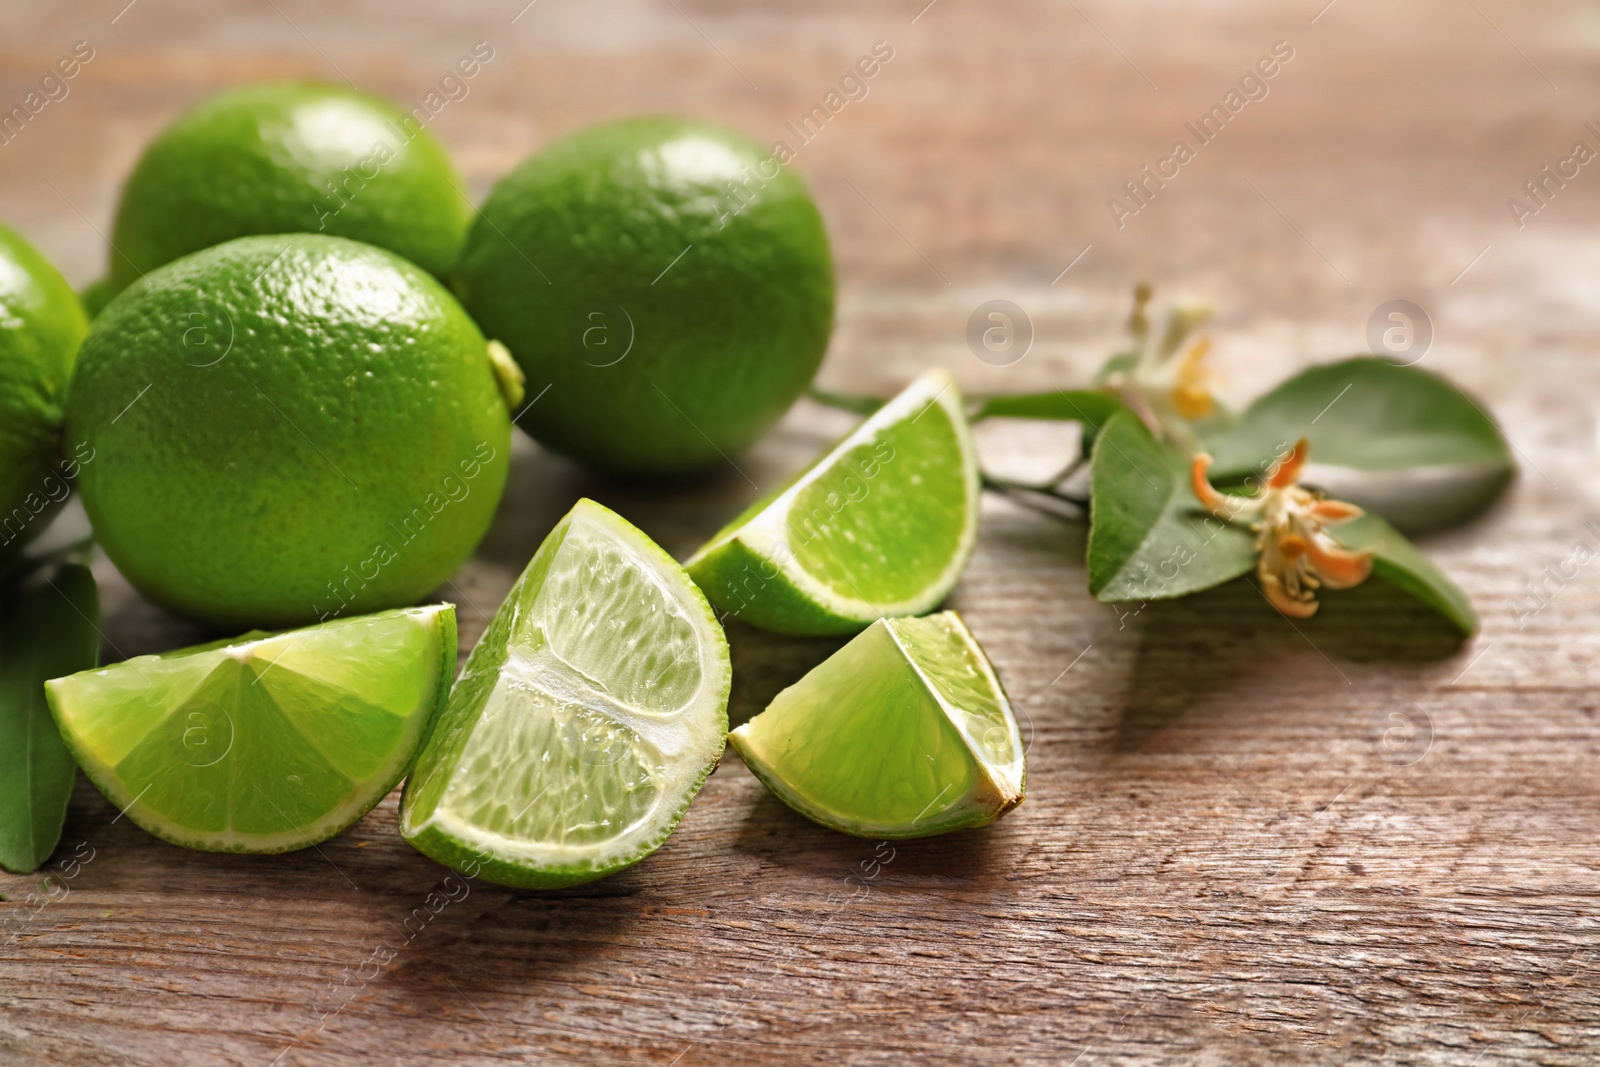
(267, 742)
(41, 327)
(289, 157)
(287, 428)
(668, 280)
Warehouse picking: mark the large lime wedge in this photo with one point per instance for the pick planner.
(267, 742)
(904, 732)
(880, 526)
(586, 718)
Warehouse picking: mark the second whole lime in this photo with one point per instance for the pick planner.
(669, 282)
(288, 428)
(289, 157)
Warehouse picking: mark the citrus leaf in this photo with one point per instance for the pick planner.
(861, 405)
(48, 630)
(1089, 406)
(1399, 441)
(1401, 564)
(1149, 538)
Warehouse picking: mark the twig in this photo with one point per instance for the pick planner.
(1045, 499)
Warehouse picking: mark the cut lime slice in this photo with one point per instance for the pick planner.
(904, 732)
(267, 742)
(880, 526)
(586, 718)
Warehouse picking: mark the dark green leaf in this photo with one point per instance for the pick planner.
(1401, 564)
(1149, 538)
(861, 405)
(1399, 441)
(48, 630)
(1092, 407)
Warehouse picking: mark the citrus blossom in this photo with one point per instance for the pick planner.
(1168, 384)
(1296, 555)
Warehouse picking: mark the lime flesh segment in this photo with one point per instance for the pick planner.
(904, 732)
(585, 721)
(880, 526)
(265, 743)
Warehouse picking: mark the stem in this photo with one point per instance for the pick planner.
(861, 405)
(1046, 499)
(1068, 471)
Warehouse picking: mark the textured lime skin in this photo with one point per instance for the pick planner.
(288, 428)
(658, 360)
(289, 157)
(41, 327)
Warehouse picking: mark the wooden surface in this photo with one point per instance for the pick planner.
(1221, 860)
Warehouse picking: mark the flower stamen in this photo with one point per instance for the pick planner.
(1295, 553)
(1192, 394)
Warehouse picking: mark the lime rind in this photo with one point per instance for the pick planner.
(905, 732)
(751, 569)
(258, 744)
(585, 721)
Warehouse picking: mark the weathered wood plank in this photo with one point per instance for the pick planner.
(1221, 860)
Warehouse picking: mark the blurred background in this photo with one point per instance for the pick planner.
(979, 162)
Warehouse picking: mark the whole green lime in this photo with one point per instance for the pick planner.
(286, 429)
(666, 279)
(289, 158)
(41, 327)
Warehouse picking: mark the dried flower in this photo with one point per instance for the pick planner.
(1295, 554)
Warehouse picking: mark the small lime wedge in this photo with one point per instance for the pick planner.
(585, 721)
(265, 743)
(880, 526)
(904, 732)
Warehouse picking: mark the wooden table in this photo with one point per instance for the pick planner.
(1221, 860)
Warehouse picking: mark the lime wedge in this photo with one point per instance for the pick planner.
(585, 720)
(267, 742)
(904, 732)
(880, 526)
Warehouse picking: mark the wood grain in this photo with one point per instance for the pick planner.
(1217, 863)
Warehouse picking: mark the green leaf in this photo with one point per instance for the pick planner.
(1398, 441)
(1149, 538)
(48, 630)
(861, 405)
(1401, 564)
(1092, 407)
